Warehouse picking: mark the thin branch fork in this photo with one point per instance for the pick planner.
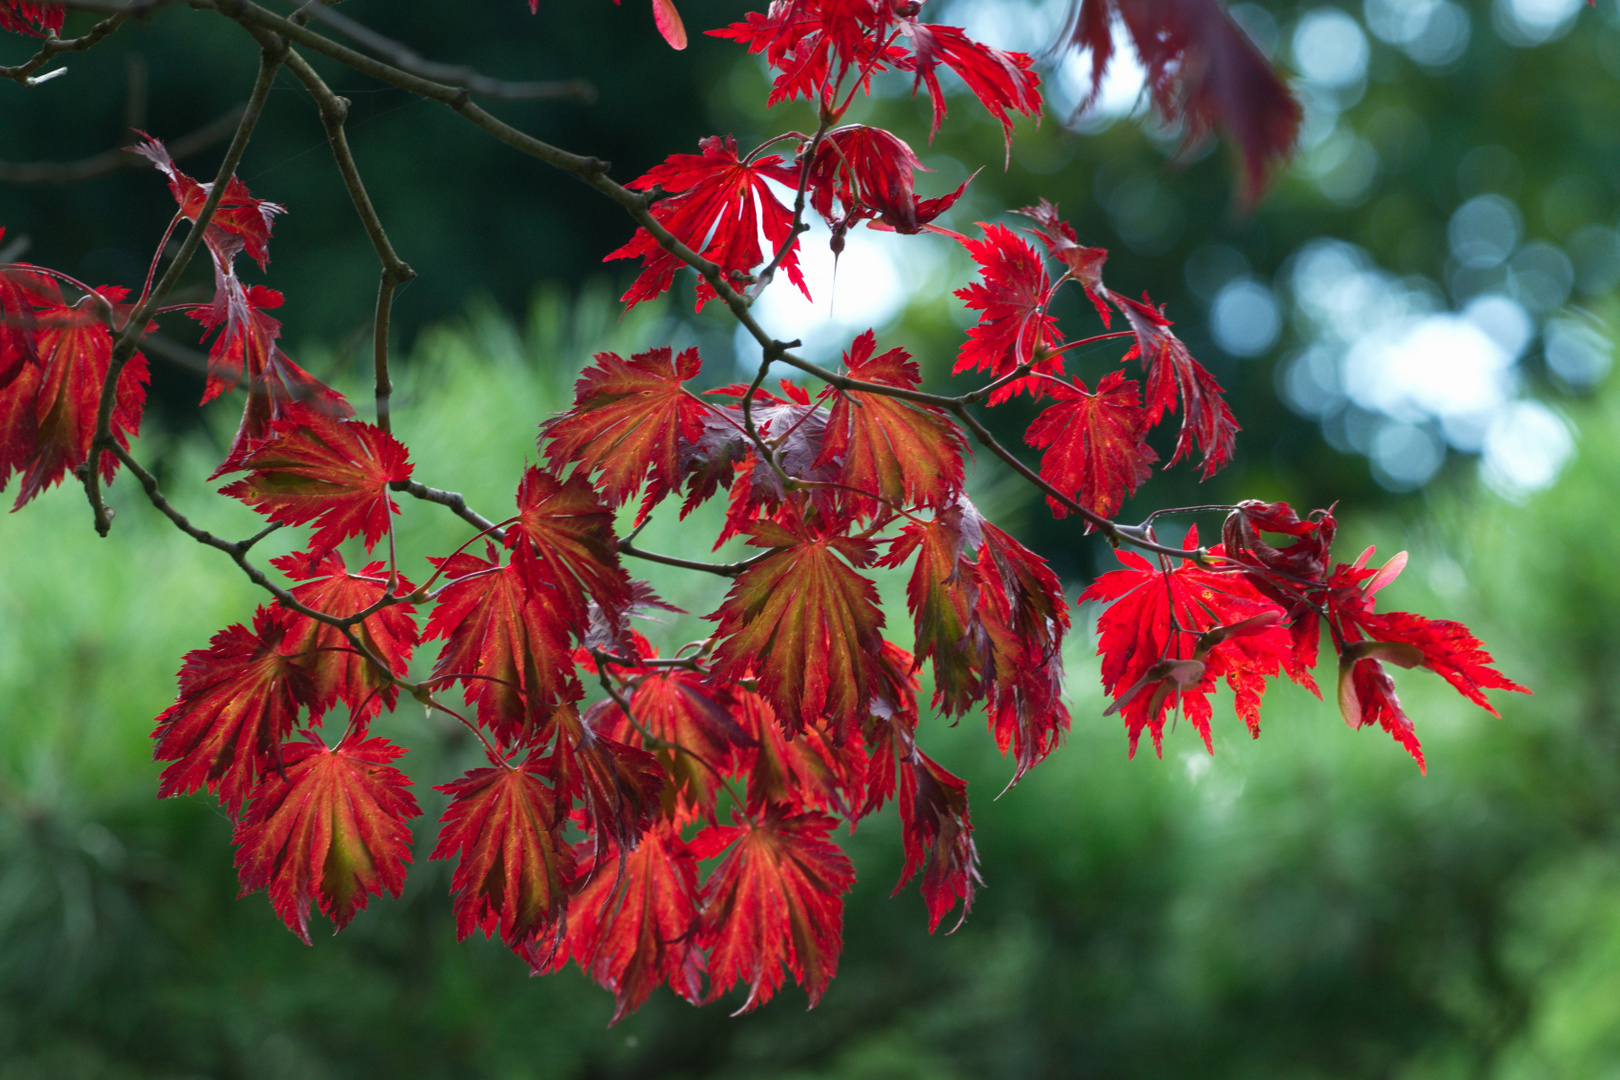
(54, 47)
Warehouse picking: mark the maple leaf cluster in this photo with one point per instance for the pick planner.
(668, 818)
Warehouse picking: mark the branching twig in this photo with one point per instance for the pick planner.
(54, 47)
(269, 62)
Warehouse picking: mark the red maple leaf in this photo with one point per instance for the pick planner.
(1202, 68)
(1367, 639)
(334, 473)
(938, 836)
(631, 927)
(717, 205)
(329, 827)
(619, 786)
(1000, 80)
(772, 902)
(871, 172)
(570, 534)
(515, 869)
(630, 419)
(35, 20)
(1019, 621)
(816, 44)
(1095, 451)
(238, 699)
(506, 639)
(942, 595)
(1169, 633)
(23, 289)
(1173, 374)
(1013, 326)
(903, 453)
(804, 622)
(48, 409)
(336, 670)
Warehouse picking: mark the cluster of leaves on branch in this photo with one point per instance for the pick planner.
(668, 816)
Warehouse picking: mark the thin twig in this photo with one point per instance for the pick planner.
(454, 501)
(109, 161)
(395, 272)
(730, 570)
(404, 58)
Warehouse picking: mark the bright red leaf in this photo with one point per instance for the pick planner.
(1001, 81)
(336, 670)
(48, 409)
(632, 928)
(506, 639)
(26, 17)
(717, 205)
(1095, 451)
(1011, 297)
(1172, 375)
(329, 827)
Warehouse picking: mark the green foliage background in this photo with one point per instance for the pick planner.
(1305, 905)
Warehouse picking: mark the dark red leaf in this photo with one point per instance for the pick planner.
(903, 453)
(629, 421)
(239, 698)
(805, 623)
(571, 537)
(1201, 68)
(515, 869)
(772, 902)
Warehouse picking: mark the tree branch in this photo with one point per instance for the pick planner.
(402, 57)
(729, 570)
(454, 501)
(395, 272)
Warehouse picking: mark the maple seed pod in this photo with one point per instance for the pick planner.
(837, 241)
